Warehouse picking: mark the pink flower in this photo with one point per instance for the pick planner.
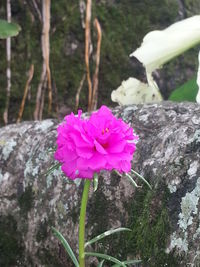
(87, 146)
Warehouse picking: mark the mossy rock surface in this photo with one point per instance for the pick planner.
(164, 221)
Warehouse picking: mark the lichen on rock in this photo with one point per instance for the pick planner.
(164, 222)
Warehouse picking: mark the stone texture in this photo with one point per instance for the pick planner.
(168, 156)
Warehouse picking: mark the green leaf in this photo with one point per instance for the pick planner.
(117, 173)
(95, 180)
(53, 149)
(55, 166)
(106, 257)
(66, 246)
(142, 178)
(186, 92)
(8, 29)
(107, 233)
(128, 262)
(129, 177)
(101, 263)
(131, 180)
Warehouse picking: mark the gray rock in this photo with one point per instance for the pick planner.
(165, 221)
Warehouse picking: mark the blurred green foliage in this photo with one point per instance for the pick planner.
(8, 29)
(186, 92)
(124, 24)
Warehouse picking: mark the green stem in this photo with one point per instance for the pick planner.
(82, 223)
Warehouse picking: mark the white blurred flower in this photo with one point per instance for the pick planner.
(198, 82)
(133, 91)
(159, 47)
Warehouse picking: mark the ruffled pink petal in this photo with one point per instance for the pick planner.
(125, 166)
(99, 148)
(70, 169)
(97, 162)
(116, 144)
(87, 174)
(77, 139)
(85, 152)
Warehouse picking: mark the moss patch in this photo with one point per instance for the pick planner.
(149, 221)
(42, 232)
(50, 259)
(98, 219)
(26, 201)
(151, 228)
(11, 249)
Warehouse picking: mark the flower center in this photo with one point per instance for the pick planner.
(106, 130)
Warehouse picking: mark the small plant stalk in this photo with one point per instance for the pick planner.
(82, 223)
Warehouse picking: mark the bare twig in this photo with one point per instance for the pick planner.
(45, 67)
(87, 51)
(46, 28)
(82, 8)
(37, 10)
(8, 71)
(34, 10)
(79, 91)
(42, 99)
(30, 77)
(95, 77)
(55, 91)
(39, 93)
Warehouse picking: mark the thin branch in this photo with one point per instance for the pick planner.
(82, 8)
(45, 67)
(46, 28)
(79, 91)
(55, 91)
(8, 71)
(87, 50)
(42, 99)
(34, 10)
(30, 77)
(37, 10)
(95, 77)
(39, 92)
